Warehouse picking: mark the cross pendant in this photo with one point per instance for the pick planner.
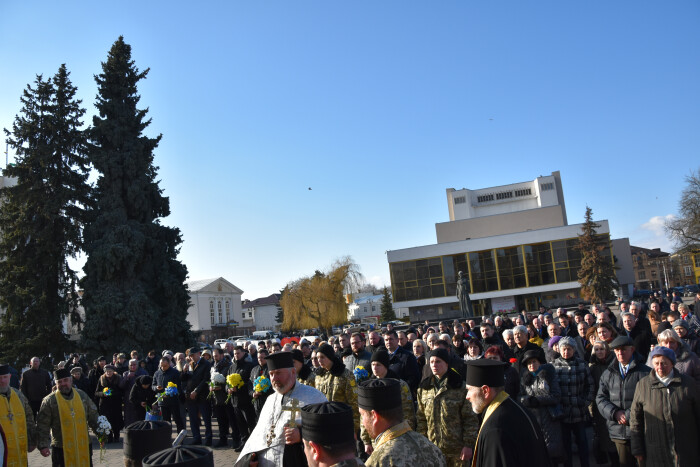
(10, 416)
(270, 436)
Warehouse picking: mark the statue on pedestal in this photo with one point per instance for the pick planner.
(465, 304)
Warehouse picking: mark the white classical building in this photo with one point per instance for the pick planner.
(260, 314)
(369, 306)
(214, 306)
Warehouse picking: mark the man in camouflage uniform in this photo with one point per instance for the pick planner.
(395, 444)
(337, 383)
(49, 420)
(444, 415)
(328, 435)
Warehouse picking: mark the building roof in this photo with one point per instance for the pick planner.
(371, 298)
(201, 284)
(273, 299)
(650, 253)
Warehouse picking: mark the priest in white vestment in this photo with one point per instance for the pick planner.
(276, 439)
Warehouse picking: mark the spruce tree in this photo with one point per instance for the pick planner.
(42, 218)
(597, 273)
(387, 309)
(134, 291)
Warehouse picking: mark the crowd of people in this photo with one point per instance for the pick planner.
(635, 378)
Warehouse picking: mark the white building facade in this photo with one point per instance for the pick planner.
(214, 305)
(512, 242)
(261, 314)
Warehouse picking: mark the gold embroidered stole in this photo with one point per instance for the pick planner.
(14, 424)
(393, 433)
(491, 408)
(74, 430)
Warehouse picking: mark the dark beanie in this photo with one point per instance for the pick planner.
(328, 351)
(442, 354)
(381, 356)
(297, 355)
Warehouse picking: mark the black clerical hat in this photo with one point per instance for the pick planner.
(276, 361)
(4, 369)
(485, 372)
(379, 394)
(61, 373)
(327, 423)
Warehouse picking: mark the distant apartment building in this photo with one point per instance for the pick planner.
(260, 314)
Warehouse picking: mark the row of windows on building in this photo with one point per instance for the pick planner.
(687, 272)
(490, 270)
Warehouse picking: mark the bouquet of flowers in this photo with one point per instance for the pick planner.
(216, 380)
(261, 384)
(107, 392)
(233, 380)
(171, 389)
(104, 429)
(360, 374)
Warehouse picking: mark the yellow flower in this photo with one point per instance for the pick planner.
(171, 384)
(234, 380)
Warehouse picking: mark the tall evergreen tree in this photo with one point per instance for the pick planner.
(134, 291)
(597, 273)
(42, 217)
(387, 309)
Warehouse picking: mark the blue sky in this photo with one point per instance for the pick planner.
(379, 106)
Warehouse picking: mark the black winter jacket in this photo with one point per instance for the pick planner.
(615, 394)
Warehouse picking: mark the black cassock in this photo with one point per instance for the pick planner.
(511, 437)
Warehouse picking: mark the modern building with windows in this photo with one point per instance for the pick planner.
(514, 244)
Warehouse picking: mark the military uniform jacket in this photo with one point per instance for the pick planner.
(511, 437)
(338, 385)
(48, 419)
(409, 449)
(356, 462)
(444, 414)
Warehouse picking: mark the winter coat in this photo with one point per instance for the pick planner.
(642, 339)
(36, 384)
(220, 395)
(404, 364)
(615, 394)
(138, 394)
(512, 381)
(445, 416)
(161, 379)
(196, 380)
(601, 436)
(665, 421)
(338, 385)
(541, 394)
(576, 386)
(111, 406)
(259, 402)
(362, 359)
(242, 395)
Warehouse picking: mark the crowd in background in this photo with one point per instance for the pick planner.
(631, 376)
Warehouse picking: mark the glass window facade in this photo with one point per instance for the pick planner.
(506, 268)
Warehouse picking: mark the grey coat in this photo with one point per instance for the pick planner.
(615, 394)
(665, 421)
(576, 386)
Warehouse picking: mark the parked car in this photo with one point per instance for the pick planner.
(691, 290)
(221, 343)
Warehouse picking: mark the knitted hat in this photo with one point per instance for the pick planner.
(328, 351)
(664, 352)
(680, 322)
(297, 355)
(381, 356)
(441, 354)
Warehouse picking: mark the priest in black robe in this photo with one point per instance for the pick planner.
(510, 435)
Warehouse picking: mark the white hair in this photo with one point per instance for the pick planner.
(669, 335)
(520, 330)
(506, 333)
(445, 337)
